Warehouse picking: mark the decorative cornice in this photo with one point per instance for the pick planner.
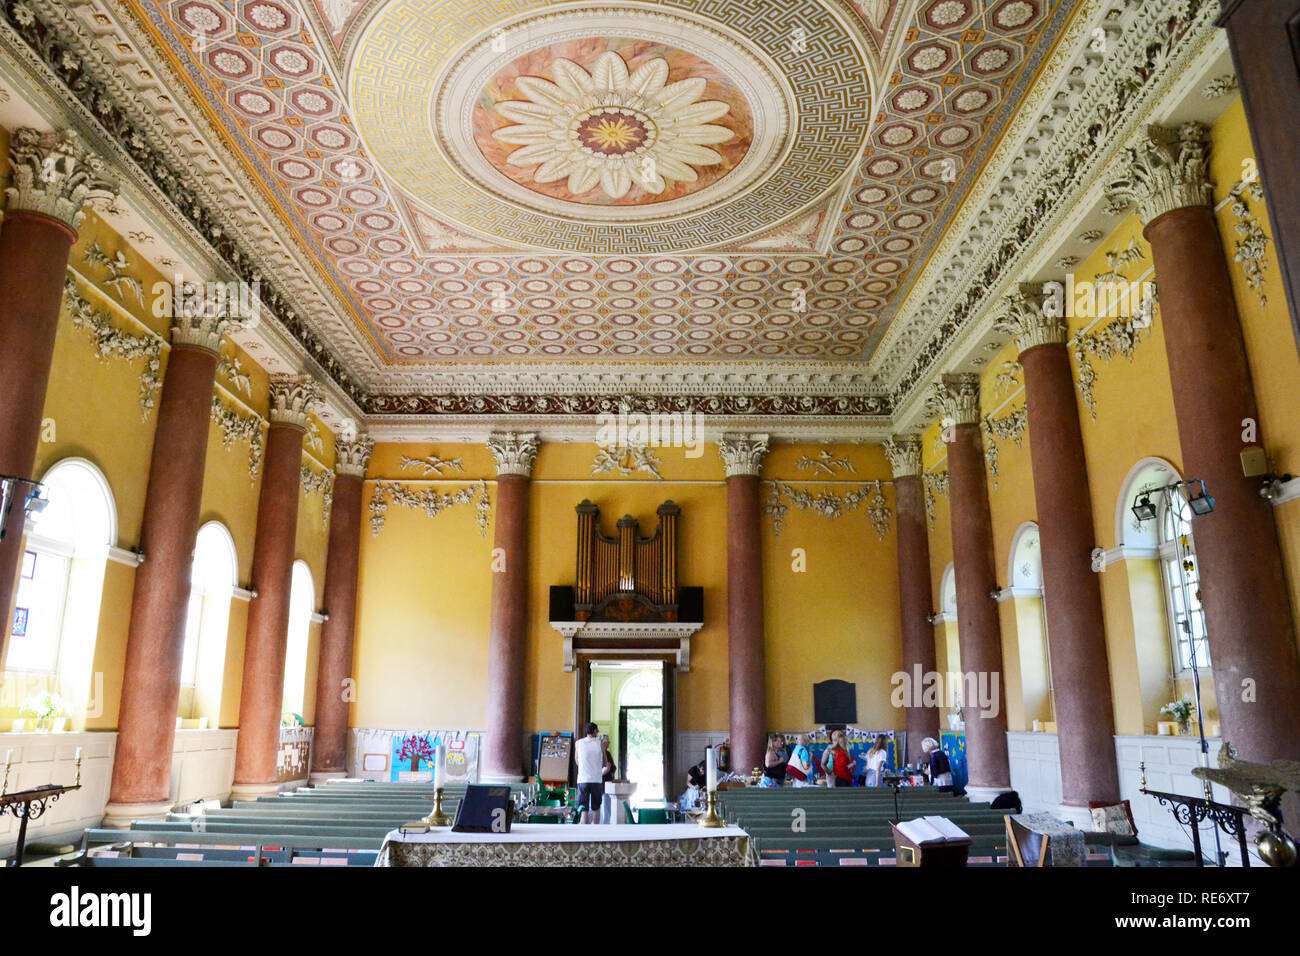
(1051, 157)
(514, 453)
(53, 174)
(1036, 316)
(352, 457)
(54, 35)
(904, 454)
(291, 398)
(1164, 170)
(567, 403)
(956, 399)
(742, 455)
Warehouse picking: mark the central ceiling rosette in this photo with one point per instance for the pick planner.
(611, 128)
(620, 129)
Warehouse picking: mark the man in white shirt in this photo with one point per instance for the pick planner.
(589, 757)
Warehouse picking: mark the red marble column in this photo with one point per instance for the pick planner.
(1076, 624)
(52, 177)
(151, 679)
(503, 759)
(914, 589)
(330, 738)
(979, 631)
(742, 457)
(1243, 586)
(266, 637)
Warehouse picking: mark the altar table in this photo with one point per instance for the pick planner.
(540, 844)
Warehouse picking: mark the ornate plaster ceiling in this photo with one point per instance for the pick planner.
(559, 182)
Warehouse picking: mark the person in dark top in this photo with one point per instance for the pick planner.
(697, 776)
(938, 768)
(774, 762)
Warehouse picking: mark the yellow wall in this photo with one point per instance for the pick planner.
(429, 650)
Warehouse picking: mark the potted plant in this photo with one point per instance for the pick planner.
(415, 747)
(49, 710)
(1181, 711)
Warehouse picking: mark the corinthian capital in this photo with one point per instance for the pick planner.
(352, 457)
(742, 454)
(904, 454)
(515, 454)
(55, 175)
(1166, 169)
(956, 399)
(202, 330)
(291, 397)
(1035, 315)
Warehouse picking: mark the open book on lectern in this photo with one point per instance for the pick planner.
(926, 830)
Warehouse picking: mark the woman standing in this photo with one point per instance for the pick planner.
(877, 756)
(841, 762)
(774, 762)
(938, 769)
(800, 767)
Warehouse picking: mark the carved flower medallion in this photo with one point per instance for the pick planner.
(612, 128)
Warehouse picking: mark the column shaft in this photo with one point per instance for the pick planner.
(1076, 626)
(33, 257)
(329, 742)
(916, 604)
(978, 628)
(508, 640)
(746, 677)
(151, 678)
(1243, 586)
(266, 638)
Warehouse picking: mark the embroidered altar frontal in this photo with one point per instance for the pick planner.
(540, 845)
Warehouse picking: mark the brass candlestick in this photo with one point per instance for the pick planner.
(711, 818)
(437, 818)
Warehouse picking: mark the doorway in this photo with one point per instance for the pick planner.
(632, 702)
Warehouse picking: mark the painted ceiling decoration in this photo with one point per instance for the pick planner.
(783, 209)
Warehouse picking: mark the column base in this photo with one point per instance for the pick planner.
(317, 777)
(251, 791)
(120, 815)
(1081, 817)
(984, 794)
(502, 778)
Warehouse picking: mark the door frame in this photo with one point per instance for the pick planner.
(668, 666)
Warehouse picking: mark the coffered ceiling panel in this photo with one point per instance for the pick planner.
(692, 180)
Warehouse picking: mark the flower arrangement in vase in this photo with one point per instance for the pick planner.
(415, 747)
(1181, 711)
(49, 709)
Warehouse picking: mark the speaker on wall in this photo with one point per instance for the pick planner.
(561, 603)
(690, 605)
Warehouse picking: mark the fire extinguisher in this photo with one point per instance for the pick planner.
(724, 755)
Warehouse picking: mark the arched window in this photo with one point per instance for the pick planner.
(212, 579)
(1025, 572)
(302, 601)
(1182, 583)
(1167, 537)
(56, 611)
(948, 592)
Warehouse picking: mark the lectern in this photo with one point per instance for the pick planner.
(933, 842)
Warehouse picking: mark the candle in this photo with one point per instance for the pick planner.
(9, 758)
(439, 764)
(711, 769)
(78, 755)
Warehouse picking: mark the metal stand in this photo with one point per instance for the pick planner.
(1190, 811)
(31, 805)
